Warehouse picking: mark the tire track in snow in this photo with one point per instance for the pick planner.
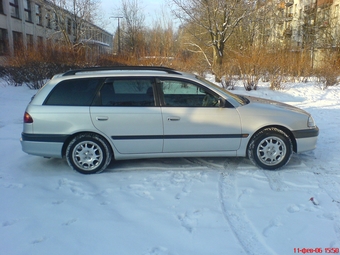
(249, 239)
(205, 163)
(331, 186)
(328, 180)
(275, 180)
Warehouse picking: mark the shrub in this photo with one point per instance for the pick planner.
(32, 73)
(34, 66)
(228, 82)
(328, 73)
(326, 76)
(251, 67)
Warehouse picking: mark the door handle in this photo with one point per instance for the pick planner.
(102, 118)
(174, 118)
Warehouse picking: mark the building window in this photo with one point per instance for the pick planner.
(38, 14)
(14, 8)
(3, 41)
(69, 26)
(30, 43)
(48, 19)
(17, 41)
(88, 33)
(1, 7)
(74, 27)
(40, 42)
(56, 20)
(27, 9)
(336, 11)
(49, 42)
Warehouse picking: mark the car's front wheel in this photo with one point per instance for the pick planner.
(88, 154)
(270, 149)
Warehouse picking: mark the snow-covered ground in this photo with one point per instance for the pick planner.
(183, 206)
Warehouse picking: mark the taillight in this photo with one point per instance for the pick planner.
(27, 118)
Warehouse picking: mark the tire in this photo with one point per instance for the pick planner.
(270, 149)
(88, 154)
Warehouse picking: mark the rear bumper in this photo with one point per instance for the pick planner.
(42, 145)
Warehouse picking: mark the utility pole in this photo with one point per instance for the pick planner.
(118, 18)
(315, 33)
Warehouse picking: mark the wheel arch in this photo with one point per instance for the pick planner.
(70, 138)
(282, 128)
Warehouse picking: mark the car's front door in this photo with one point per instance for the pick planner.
(194, 121)
(126, 111)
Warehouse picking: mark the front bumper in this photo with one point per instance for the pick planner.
(306, 139)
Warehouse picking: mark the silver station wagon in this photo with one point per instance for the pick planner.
(90, 116)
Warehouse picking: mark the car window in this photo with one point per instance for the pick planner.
(75, 92)
(126, 92)
(240, 99)
(183, 94)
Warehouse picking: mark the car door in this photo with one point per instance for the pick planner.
(194, 121)
(125, 110)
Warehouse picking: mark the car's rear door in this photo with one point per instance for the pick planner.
(194, 121)
(126, 112)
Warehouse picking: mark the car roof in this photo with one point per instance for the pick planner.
(121, 69)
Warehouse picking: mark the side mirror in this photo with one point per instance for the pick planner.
(221, 102)
(201, 90)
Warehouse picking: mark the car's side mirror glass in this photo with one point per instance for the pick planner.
(221, 102)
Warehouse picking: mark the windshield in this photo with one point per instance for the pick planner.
(240, 99)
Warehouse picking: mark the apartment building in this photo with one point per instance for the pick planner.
(312, 25)
(38, 22)
(305, 19)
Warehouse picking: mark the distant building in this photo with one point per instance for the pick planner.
(310, 24)
(38, 23)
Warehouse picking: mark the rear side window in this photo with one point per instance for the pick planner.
(76, 92)
(127, 92)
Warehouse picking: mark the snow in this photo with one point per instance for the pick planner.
(176, 206)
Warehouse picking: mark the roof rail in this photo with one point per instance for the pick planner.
(123, 68)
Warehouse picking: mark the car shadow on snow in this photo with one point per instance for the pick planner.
(44, 165)
(211, 163)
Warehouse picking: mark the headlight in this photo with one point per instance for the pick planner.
(311, 123)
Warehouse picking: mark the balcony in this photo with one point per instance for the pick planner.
(289, 3)
(324, 3)
(281, 5)
(289, 17)
(324, 24)
(309, 9)
(288, 32)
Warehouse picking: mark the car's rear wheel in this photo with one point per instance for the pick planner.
(270, 149)
(88, 154)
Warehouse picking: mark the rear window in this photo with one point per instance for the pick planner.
(76, 92)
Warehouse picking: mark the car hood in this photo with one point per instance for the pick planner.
(274, 104)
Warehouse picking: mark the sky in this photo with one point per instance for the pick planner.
(110, 7)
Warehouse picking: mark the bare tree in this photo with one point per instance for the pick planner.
(132, 26)
(161, 41)
(212, 22)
